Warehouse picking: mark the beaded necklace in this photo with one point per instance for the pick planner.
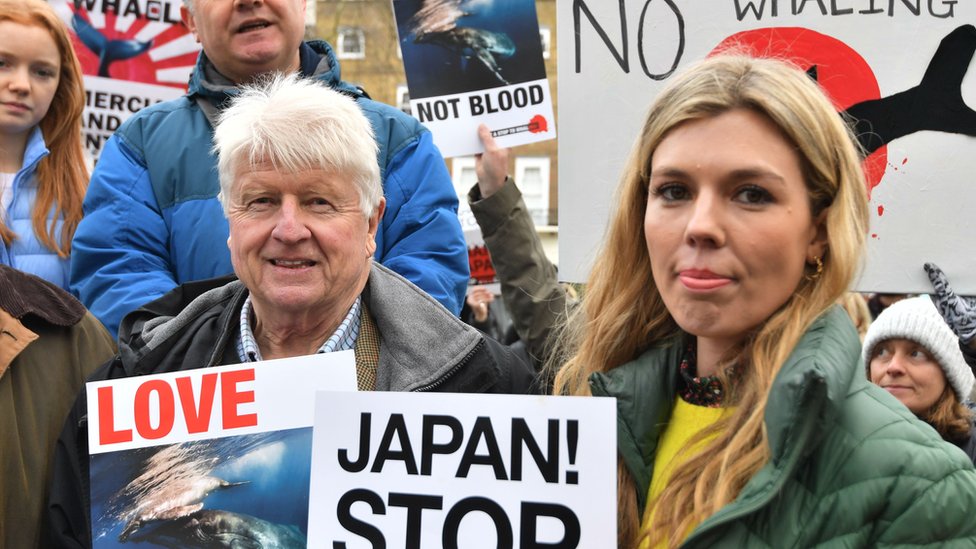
(699, 390)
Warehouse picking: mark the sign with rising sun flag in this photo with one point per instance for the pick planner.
(134, 53)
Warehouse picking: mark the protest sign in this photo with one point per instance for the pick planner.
(133, 53)
(477, 63)
(479, 260)
(904, 67)
(206, 453)
(451, 470)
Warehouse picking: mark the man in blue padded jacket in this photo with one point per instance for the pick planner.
(152, 218)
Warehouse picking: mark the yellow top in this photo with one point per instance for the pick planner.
(687, 420)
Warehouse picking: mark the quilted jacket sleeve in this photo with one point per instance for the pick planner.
(901, 485)
(528, 279)
(120, 257)
(938, 513)
(421, 236)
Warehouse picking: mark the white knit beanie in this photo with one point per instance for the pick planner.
(917, 319)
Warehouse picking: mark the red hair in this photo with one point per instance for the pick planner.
(62, 176)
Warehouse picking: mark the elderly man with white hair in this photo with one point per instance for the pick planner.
(301, 192)
(152, 217)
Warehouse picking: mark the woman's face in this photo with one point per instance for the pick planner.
(907, 371)
(30, 69)
(728, 224)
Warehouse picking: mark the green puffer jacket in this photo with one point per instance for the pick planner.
(850, 466)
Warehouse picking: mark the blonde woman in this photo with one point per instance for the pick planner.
(744, 416)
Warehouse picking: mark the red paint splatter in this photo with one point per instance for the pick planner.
(880, 210)
(903, 161)
(874, 235)
(538, 124)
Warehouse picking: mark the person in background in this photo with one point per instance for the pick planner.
(43, 173)
(152, 217)
(744, 417)
(880, 301)
(301, 191)
(912, 353)
(530, 289)
(482, 311)
(49, 344)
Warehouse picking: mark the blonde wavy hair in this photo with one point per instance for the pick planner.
(623, 315)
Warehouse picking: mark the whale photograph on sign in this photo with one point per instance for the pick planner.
(455, 46)
(253, 488)
(473, 62)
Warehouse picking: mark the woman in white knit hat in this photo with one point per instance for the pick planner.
(911, 352)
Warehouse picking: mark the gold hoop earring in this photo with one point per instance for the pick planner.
(818, 272)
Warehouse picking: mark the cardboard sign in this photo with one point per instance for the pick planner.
(906, 67)
(477, 63)
(462, 470)
(133, 53)
(210, 453)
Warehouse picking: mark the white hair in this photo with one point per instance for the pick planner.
(297, 124)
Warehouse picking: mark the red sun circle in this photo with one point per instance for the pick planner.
(842, 73)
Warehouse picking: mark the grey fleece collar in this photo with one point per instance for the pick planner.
(420, 340)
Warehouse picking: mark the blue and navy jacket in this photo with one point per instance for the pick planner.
(27, 253)
(153, 221)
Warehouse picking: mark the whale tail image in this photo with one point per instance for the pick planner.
(935, 104)
(108, 51)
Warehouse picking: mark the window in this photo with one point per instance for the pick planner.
(463, 175)
(351, 43)
(544, 35)
(403, 98)
(532, 177)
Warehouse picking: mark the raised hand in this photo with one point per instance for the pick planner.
(491, 165)
(958, 312)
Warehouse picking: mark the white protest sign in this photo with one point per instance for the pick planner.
(905, 67)
(477, 63)
(463, 470)
(242, 399)
(191, 457)
(133, 53)
(110, 101)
